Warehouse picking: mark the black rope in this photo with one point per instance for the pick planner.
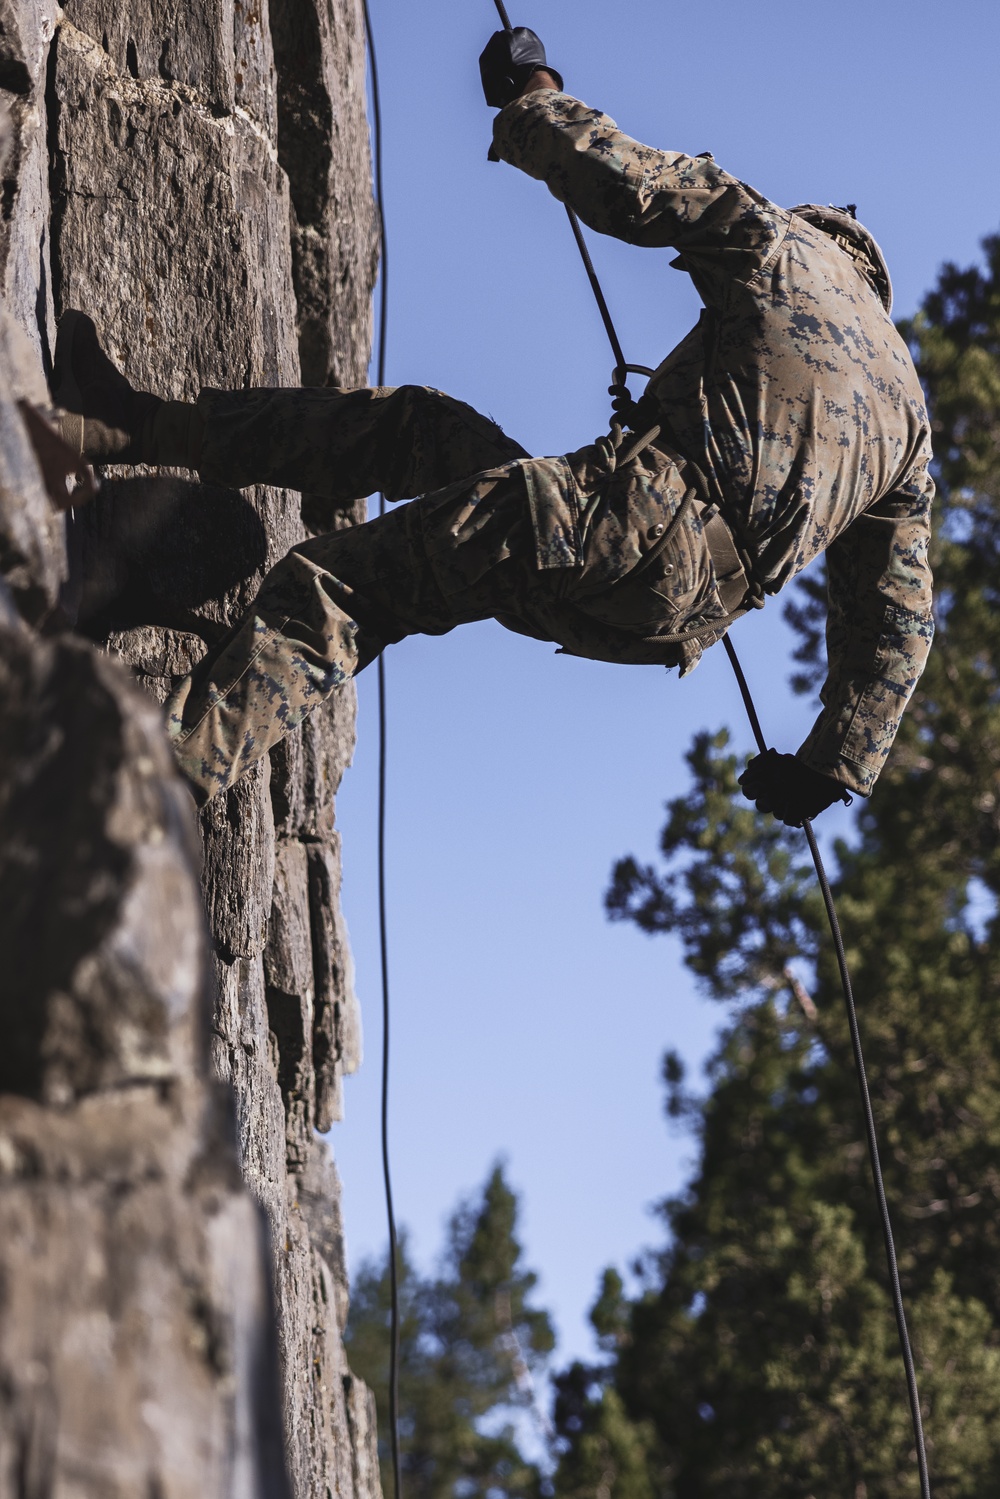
(873, 1153)
(845, 978)
(574, 223)
(741, 682)
(866, 1102)
(620, 365)
(383, 924)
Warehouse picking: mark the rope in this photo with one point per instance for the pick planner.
(383, 923)
(866, 1102)
(621, 367)
(602, 306)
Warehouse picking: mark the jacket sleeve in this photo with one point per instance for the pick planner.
(635, 193)
(879, 631)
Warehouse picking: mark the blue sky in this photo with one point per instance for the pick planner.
(525, 1026)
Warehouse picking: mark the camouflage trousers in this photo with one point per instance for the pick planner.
(482, 543)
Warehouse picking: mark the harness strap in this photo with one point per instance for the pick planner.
(730, 572)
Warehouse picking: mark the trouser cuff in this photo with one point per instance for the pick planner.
(172, 435)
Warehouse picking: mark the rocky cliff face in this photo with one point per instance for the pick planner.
(172, 1286)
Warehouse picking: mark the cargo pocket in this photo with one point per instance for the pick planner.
(471, 527)
(554, 501)
(655, 593)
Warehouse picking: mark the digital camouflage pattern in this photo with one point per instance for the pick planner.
(794, 394)
(478, 547)
(795, 391)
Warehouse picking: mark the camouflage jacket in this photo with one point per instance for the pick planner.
(795, 393)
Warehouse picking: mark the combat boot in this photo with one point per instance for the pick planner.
(104, 419)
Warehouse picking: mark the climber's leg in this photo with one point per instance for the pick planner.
(333, 602)
(297, 643)
(345, 444)
(104, 419)
(339, 444)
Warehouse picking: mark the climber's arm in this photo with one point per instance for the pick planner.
(636, 193)
(541, 78)
(879, 631)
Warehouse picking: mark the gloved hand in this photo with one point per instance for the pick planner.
(508, 61)
(786, 786)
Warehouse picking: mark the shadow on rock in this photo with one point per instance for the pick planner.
(158, 551)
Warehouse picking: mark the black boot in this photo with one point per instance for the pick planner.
(105, 420)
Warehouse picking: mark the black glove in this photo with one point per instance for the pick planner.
(786, 786)
(508, 61)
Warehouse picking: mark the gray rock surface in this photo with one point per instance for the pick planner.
(137, 1333)
(32, 532)
(173, 1290)
(26, 31)
(320, 52)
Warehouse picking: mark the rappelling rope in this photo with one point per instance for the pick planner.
(383, 925)
(621, 369)
(866, 1102)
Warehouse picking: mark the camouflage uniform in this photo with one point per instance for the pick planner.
(795, 396)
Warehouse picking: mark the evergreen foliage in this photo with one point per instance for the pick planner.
(471, 1345)
(602, 1451)
(761, 1351)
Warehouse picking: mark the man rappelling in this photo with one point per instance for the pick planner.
(789, 422)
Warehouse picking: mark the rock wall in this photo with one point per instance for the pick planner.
(195, 175)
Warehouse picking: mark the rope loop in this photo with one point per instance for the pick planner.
(624, 406)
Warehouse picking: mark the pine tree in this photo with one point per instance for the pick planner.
(762, 1350)
(601, 1451)
(471, 1347)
